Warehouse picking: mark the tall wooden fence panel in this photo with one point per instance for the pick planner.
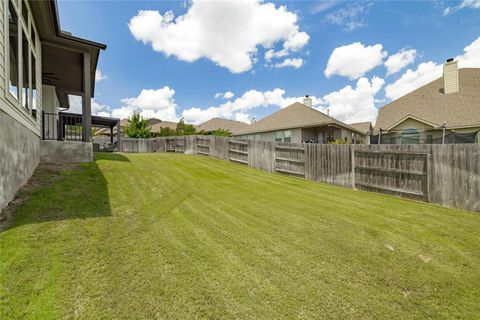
(219, 147)
(329, 163)
(400, 170)
(261, 155)
(203, 145)
(290, 159)
(454, 175)
(448, 175)
(238, 151)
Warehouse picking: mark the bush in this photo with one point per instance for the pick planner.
(138, 127)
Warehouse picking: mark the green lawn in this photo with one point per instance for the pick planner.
(177, 236)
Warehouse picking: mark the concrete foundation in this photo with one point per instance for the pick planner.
(65, 151)
(19, 156)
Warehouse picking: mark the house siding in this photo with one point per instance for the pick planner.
(19, 131)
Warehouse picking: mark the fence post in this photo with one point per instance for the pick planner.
(353, 165)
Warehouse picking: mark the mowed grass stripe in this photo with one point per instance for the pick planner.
(178, 236)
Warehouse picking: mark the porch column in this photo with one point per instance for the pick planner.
(86, 99)
(119, 144)
(111, 134)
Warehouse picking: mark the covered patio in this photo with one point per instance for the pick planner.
(69, 64)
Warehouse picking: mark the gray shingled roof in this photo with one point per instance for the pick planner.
(429, 104)
(164, 124)
(296, 115)
(362, 126)
(219, 123)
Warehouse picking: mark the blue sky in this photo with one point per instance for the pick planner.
(169, 59)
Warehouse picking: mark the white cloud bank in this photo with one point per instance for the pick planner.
(429, 71)
(354, 60)
(225, 32)
(354, 104)
(239, 108)
(400, 60)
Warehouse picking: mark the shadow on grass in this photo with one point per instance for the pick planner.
(111, 156)
(58, 192)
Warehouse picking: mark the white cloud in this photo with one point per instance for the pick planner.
(471, 55)
(400, 60)
(354, 104)
(472, 4)
(158, 103)
(76, 106)
(243, 117)
(350, 17)
(225, 32)
(99, 75)
(322, 6)
(240, 107)
(295, 63)
(354, 60)
(413, 79)
(224, 95)
(429, 71)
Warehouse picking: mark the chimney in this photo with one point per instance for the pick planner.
(450, 76)
(253, 120)
(307, 101)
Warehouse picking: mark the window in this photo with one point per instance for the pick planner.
(410, 136)
(22, 58)
(34, 86)
(278, 136)
(13, 50)
(283, 136)
(257, 136)
(25, 72)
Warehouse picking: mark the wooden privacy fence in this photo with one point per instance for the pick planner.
(448, 175)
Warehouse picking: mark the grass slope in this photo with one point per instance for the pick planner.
(176, 236)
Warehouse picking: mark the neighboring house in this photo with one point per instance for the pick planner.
(39, 66)
(366, 128)
(219, 123)
(450, 105)
(155, 129)
(300, 123)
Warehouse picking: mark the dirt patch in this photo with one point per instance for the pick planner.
(45, 174)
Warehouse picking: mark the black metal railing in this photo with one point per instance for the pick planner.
(60, 126)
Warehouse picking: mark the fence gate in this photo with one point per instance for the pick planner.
(290, 160)
(238, 151)
(398, 172)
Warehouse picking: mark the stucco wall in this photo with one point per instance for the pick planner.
(65, 151)
(19, 156)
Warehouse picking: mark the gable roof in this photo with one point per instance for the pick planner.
(431, 105)
(296, 115)
(362, 126)
(163, 124)
(220, 123)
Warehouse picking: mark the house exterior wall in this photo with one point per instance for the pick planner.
(19, 156)
(426, 132)
(19, 130)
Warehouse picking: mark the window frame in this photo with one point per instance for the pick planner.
(287, 136)
(23, 27)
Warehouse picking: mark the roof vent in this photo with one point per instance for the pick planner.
(307, 101)
(450, 76)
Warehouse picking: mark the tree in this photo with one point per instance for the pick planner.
(184, 129)
(221, 133)
(166, 132)
(138, 127)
